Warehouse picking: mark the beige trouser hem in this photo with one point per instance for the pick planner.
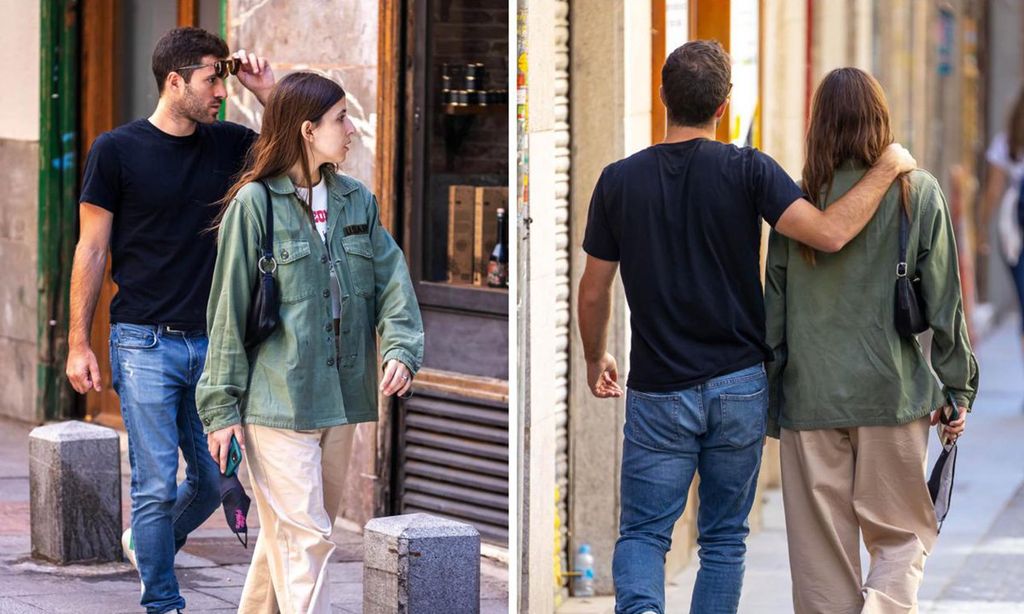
(838, 484)
(297, 481)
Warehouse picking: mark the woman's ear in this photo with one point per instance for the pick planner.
(306, 129)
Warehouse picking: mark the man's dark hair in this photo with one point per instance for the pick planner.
(184, 47)
(696, 78)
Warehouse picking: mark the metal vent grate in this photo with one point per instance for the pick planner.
(453, 455)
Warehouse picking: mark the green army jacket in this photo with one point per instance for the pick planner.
(297, 379)
(838, 360)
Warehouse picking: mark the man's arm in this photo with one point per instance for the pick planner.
(86, 278)
(594, 311)
(830, 230)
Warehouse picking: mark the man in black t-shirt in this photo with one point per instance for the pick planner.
(149, 194)
(682, 220)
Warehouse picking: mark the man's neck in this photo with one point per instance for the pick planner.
(679, 134)
(167, 120)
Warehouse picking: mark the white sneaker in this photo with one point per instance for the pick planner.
(128, 545)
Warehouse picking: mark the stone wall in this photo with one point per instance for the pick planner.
(18, 278)
(337, 38)
(19, 159)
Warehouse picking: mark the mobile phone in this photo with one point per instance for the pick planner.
(234, 457)
(947, 416)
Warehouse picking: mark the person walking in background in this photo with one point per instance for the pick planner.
(146, 195)
(1002, 197)
(293, 401)
(850, 395)
(683, 221)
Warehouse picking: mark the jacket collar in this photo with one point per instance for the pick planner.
(340, 185)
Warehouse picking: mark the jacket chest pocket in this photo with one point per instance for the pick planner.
(295, 280)
(359, 252)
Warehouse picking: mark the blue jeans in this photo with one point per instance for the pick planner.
(155, 373)
(716, 429)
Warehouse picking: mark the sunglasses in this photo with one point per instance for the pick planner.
(221, 68)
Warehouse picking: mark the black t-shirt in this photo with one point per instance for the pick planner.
(684, 222)
(163, 190)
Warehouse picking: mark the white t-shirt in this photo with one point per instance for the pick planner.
(320, 222)
(998, 154)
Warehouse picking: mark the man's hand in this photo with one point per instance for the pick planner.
(255, 75)
(956, 427)
(397, 379)
(603, 377)
(82, 369)
(219, 443)
(898, 159)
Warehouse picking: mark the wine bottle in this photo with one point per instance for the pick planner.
(497, 267)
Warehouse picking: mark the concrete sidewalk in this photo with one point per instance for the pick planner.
(978, 564)
(211, 567)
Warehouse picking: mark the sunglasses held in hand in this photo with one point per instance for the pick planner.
(221, 68)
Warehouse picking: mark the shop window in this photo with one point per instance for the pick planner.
(465, 173)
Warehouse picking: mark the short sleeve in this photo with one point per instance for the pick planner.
(248, 138)
(998, 153)
(242, 137)
(770, 187)
(599, 240)
(101, 180)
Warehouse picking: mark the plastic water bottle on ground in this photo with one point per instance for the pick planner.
(583, 584)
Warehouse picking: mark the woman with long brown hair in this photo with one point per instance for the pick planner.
(851, 398)
(292, 401)
(1002, 197)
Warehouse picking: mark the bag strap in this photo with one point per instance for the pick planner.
(901, 266)
(267, 264)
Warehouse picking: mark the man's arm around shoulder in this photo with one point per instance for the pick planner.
(86, 278)
(830, 230)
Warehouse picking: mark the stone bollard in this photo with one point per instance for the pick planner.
(75, 491)
(420, 564)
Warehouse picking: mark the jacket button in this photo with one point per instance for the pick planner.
(206, 421)
(323, 259)
(284, 254)
(329, 327)
(327, 293)
(330, 362)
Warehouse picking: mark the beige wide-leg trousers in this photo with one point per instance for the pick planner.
(297, 481)
(838, 484)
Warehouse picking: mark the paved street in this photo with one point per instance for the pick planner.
(978, 563)
(211, 568)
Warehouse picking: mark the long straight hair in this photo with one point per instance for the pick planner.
(299, 97)
(849, 121)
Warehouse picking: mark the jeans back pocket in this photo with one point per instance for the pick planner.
(744, 416)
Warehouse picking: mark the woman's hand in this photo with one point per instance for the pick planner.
(397, 379)
(219, 443)
(956, 427)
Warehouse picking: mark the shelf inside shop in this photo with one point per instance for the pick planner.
(476, 109)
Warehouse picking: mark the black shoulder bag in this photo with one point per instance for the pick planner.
(910, 318)
(264, 312)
